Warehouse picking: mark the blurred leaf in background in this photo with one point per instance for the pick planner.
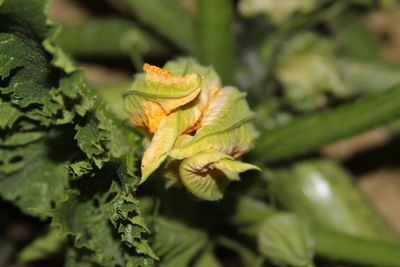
(277, 11)
(285, 239)
(307, 69)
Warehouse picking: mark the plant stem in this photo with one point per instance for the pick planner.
(108, 38)
(347, 248)
(311, 132)
(167, 17)
(368, 76)
(216, 36)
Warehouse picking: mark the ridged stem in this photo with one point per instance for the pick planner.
(216, 41)
(311, 132)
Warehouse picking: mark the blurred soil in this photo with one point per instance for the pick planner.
(383, 188)
(385, 24)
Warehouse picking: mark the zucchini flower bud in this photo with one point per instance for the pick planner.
(199, 129)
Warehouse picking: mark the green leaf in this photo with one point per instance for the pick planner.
(22, 55)
(89, 224)
(42, 247)
(73, 258)
(80, 168)
(128, 221)
(250, 211)
(207, 259)
(34, 155)
(91, 140)
(249, 257)
(285, 239)
(322, 192)
(103, 137)
(31, 176)
(121, 138)
(29, 80)
(175, 243)
(99, 224)
(9, 114)
(41, 83)
(17, 139)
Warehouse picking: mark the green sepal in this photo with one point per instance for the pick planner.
(225, 127)
(207, 173)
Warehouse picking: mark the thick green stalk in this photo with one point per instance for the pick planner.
(311, 132)
(108, 38)
(351, 249)
(167, 17)
(216, 36)
(368, 76)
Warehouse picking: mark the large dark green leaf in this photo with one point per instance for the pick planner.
(45, 167)
(106, 226)
(24, 64)
(34, 176)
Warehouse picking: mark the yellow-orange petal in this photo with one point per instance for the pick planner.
(157, 93)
